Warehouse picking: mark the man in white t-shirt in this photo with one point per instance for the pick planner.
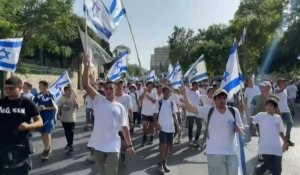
(148, 99)
(271, 131)
(286, 116)
(26, 91)
(135, 106)
(89, 116)
(194, 98)
(223, 123)
(139, 91)
(250, 92)
(292, 94)
(125, 100)
(165, 119)
(110, 118)
(175, 97)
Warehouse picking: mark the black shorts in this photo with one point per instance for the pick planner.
(165, 137)
(147, 118)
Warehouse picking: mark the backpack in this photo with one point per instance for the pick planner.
(160, 104)
(210, 112)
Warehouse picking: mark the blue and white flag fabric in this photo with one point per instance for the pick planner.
(118, 67)
(170, 71)
(99, 19)
(57, 87)
(151, 76)
(198, 71)
(239, 145)
(10, 49)
(232, 78)
(176, 76)
(117, 11)
(243, 37)
(298, 57)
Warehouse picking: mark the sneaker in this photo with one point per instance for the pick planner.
(290, 143)
(165, 167)
(177, 142)
(160, 169)
(69, 149)
(46, 154)
(66, 147)
(191, 143)
(90, 158)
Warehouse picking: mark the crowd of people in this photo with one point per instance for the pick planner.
(114, 110)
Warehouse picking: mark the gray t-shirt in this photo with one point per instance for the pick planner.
(67, 109)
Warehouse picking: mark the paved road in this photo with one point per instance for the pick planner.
(184, 160)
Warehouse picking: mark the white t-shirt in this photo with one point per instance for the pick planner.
(283, 105)
(28, 95)
(206, 101)
(221, 130)
(194, 98)
(269, 129)
(139, 93)
(203, 91)
(134, 98)
(250, 93)
(88, 102)
(147, 106)
(165, 117)
(174, 97)
(125, 100)
(291, 91)
(109, 119)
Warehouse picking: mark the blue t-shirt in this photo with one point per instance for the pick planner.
(48, 101)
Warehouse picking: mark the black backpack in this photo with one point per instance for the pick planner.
(210, 112)
(160, 104)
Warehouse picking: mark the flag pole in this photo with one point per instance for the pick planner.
(135, 46)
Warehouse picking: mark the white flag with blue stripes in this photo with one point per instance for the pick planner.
(232, 78)
(117, 11)
(118, 67)
(99, 19)
(243, 37)
(176, 76)
(198, 71)
(58, 86)
(151, 76)
(10, 49)
(170, 70)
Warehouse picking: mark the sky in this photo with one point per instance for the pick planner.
(152, 22)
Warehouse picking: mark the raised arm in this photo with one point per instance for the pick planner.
(85, 78)
(188, 106)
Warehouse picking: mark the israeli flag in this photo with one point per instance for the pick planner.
(10, 49)
(99, 19)
(198, 71)
(117, 11)
(239, 146)
(118, 67)
(57, 87)
(170, 71)
(232, 79)
(151, 76)
(176, 76)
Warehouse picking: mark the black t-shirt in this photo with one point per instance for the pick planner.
(12, 114)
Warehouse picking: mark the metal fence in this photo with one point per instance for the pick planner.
(25, 68)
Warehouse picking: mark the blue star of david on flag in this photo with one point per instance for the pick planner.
(10, 49)
(4, 54)
(225, 76)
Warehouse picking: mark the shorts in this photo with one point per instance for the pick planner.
(165, 137)
(48, 127)
(147, 118)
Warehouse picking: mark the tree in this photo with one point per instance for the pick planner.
(180, 44)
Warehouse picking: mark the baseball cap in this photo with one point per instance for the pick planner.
(265, 83)
(219, 92)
